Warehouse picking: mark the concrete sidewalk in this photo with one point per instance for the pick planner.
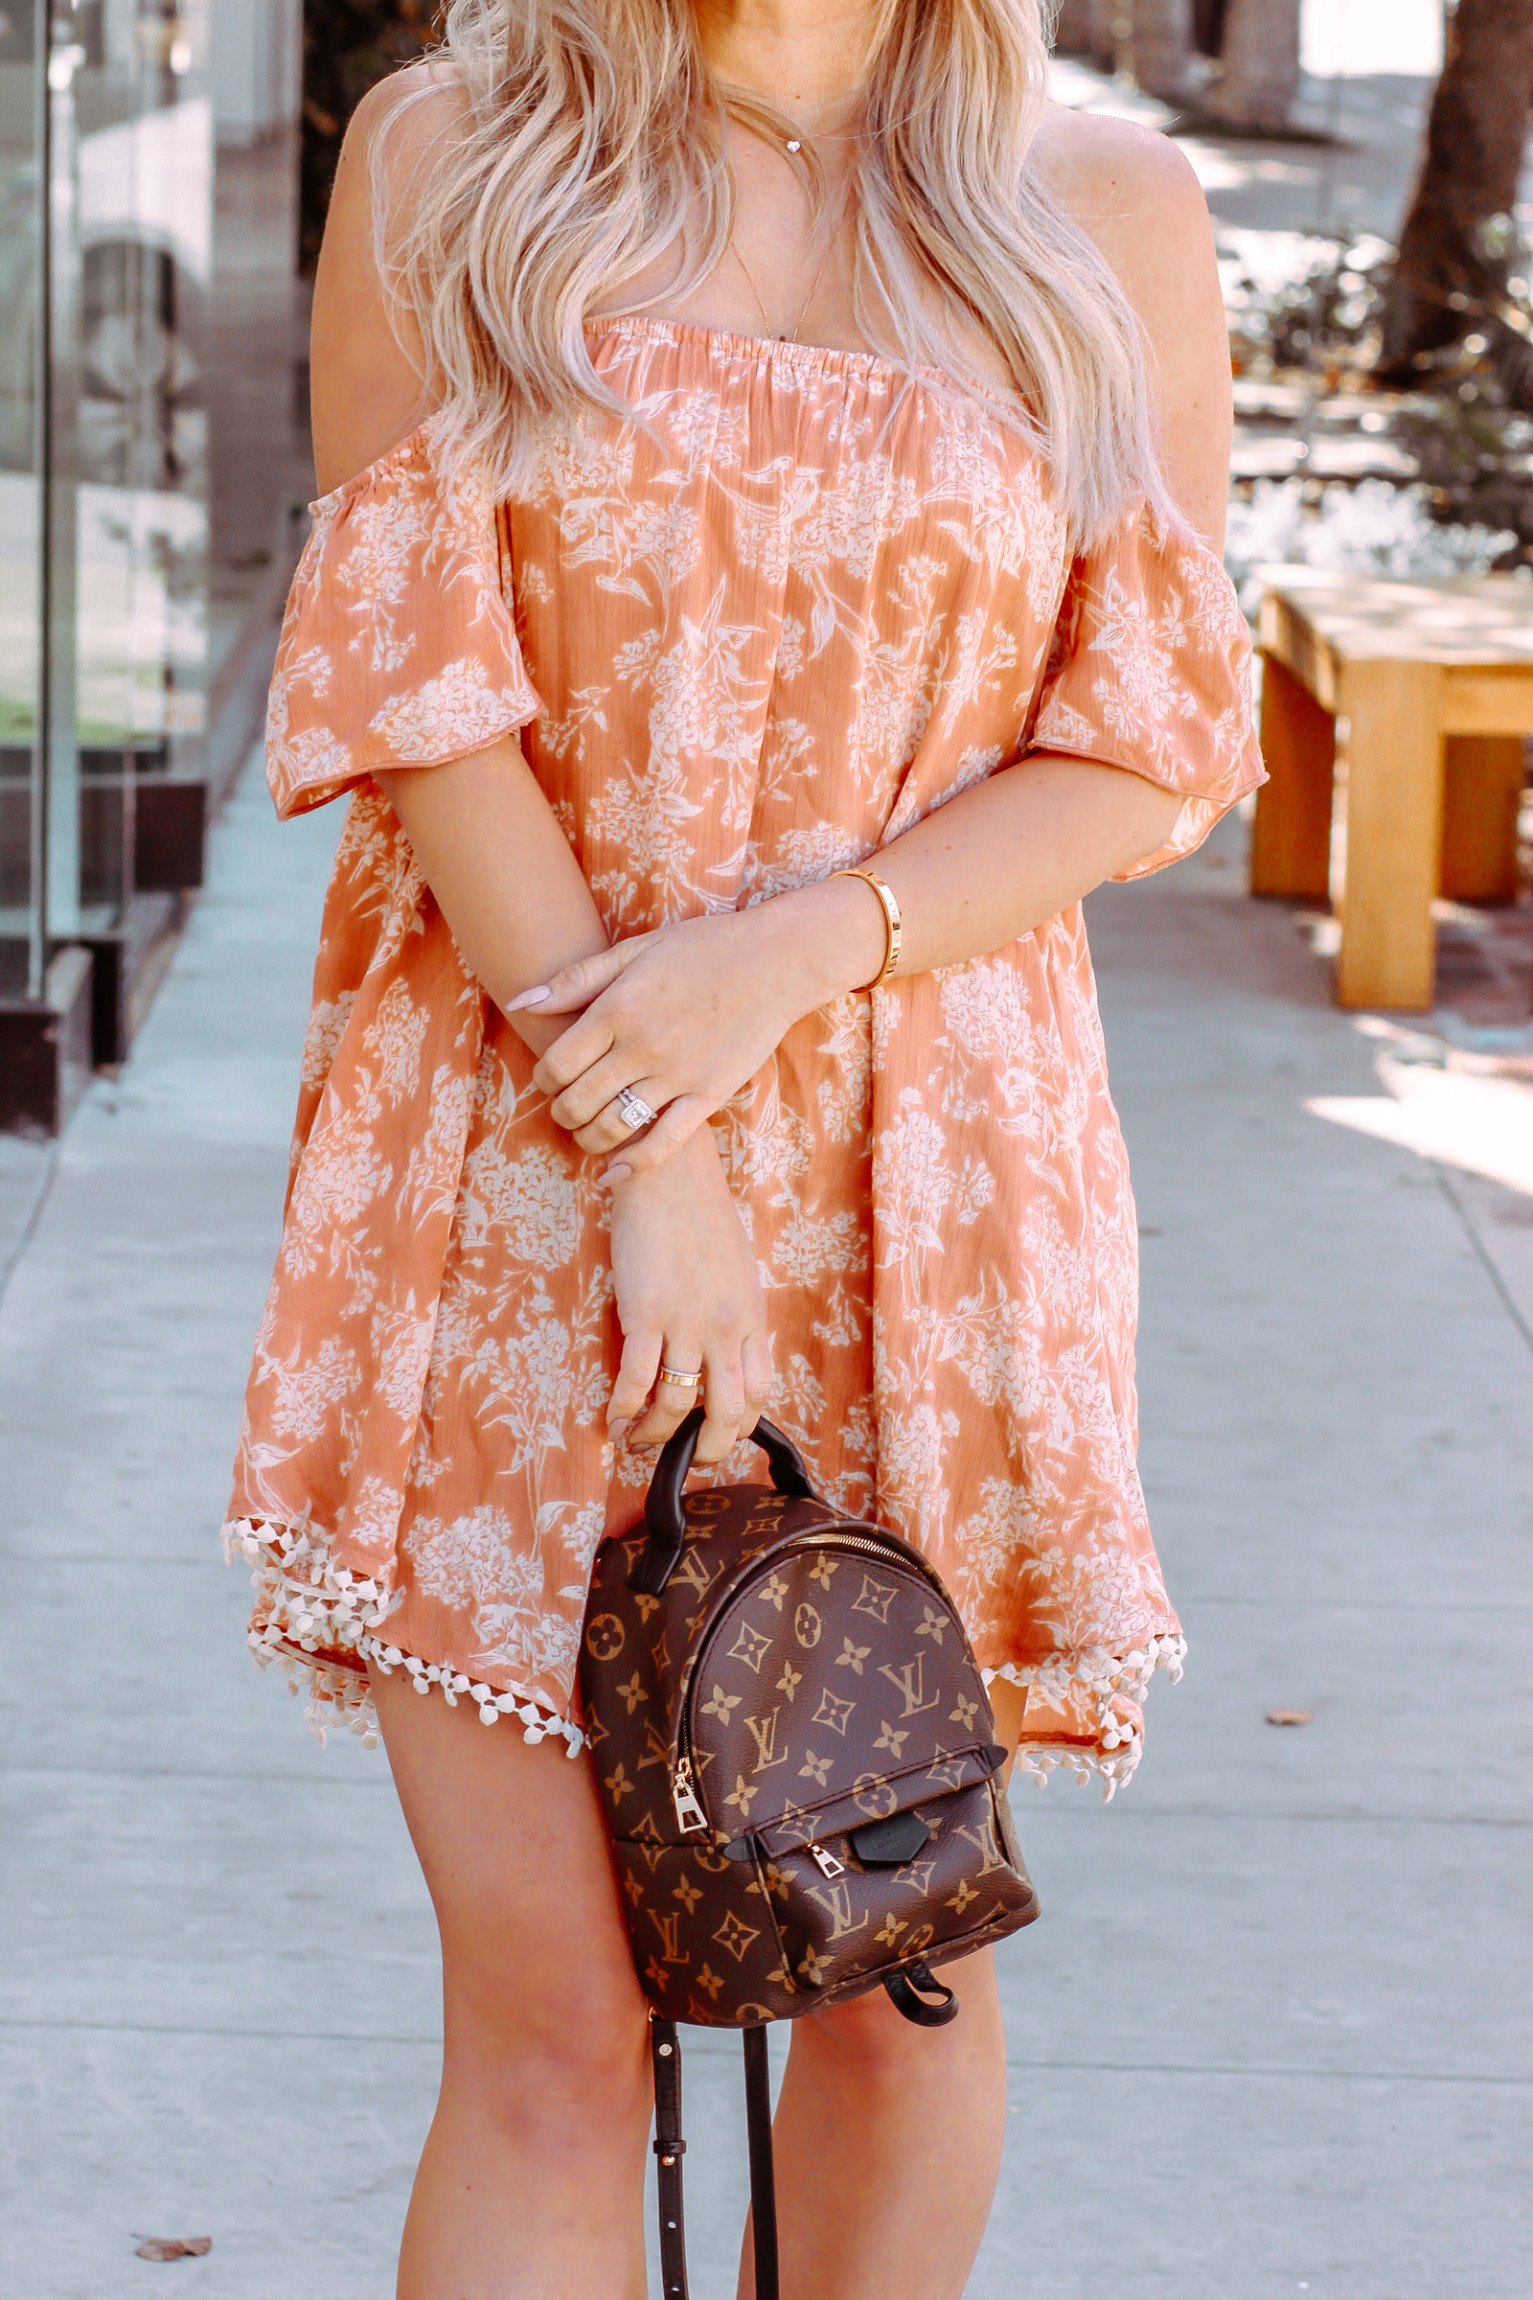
(1272, 2034)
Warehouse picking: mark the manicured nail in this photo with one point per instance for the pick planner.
(534, 997)
(612, 1175)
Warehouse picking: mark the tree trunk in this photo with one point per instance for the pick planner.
(1208, 26)
(1160, 46)
(1084, 28)
(1149, 39)
(1447, 267)
(1260, 79)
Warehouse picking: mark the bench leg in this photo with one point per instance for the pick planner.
(1393, 827)
(1291, 836)
(1482, 783)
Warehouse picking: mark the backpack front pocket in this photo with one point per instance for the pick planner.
(842, 1918)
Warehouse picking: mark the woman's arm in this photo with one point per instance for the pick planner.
(502, 874)
(501, 870)
(1136, 195)
(494, 856)
(688, 1014)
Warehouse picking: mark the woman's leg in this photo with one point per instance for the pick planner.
(887, 2137)
(887, 2142)
(531, 2184)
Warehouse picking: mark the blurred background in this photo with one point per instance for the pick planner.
(1273, 2035)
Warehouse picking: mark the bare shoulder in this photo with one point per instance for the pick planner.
(409, 115)
(369, 387)
(1134, 192)
(1099, 163)
(1132, 189)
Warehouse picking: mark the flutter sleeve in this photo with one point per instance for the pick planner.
(1150, 670)
(398, 646)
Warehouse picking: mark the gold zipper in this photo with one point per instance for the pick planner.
(826, 1863)
(856, 1541)
(690, 1817)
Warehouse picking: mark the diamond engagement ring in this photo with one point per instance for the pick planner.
(634, 1110)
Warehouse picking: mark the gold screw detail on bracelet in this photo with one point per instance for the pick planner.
(893, 929)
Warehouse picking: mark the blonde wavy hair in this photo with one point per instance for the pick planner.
(586, 138)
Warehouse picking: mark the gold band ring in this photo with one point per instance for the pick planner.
(682, 1381)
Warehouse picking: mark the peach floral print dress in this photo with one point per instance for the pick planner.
(798, 604)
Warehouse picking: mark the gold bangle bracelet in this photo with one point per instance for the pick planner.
(893, 929)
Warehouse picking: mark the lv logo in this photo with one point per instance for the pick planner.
(763, 1731)
(668, 1924)
(910, 1681)
(836, 1901)
(693, 1571)
(983, 1841)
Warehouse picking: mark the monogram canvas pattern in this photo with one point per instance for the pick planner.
(746, 640)
(808, 1680)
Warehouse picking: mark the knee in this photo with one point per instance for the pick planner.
(535, 2052)
(874, 2044)
(863, 2034)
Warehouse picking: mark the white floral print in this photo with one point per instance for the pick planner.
(799, 605)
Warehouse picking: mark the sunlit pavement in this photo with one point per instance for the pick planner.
(1271, 2035)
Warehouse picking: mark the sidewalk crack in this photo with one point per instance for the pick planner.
(1485, 1258)
(29, 1227)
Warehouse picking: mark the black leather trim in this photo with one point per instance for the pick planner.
(663, 1514)
(891, 1842)
(903, 1984)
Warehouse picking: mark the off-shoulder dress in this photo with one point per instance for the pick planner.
(798, 603)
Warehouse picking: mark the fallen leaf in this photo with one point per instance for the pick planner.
(173, 2247)
(1290, 1716)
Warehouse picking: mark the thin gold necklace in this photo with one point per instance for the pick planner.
(791, 336)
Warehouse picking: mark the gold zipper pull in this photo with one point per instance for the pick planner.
(826, 1863)
(690, 1816)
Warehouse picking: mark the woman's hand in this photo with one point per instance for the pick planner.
(684, 1016)
(688, 1296)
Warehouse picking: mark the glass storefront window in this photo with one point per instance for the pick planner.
(21, 510)
(143, 228)
(106, 215)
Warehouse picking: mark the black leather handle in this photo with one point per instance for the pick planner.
(662, 1508)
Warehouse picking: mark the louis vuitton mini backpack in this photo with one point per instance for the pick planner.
(798, 1767)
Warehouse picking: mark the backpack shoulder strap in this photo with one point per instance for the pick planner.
(758, 2118)
(670, 2148)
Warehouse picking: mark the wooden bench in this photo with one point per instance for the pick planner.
(1392, 725)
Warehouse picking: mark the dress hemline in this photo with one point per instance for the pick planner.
(319, 1625)
(1109, 1677)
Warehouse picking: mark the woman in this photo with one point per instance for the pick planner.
(760, 438)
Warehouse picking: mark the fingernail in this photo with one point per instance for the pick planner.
(534, 997)
(612, 1175)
